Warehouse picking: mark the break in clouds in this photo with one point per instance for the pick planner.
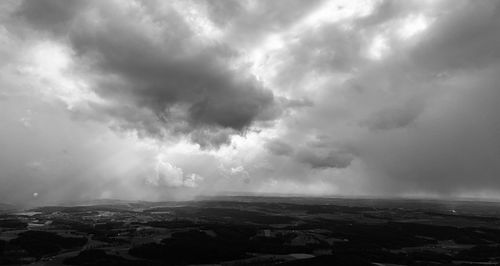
(156, 100)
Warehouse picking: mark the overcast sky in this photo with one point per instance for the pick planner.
(157, 100)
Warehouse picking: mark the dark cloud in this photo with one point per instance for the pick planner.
(330, 159)
(148, 63)
(278, 147)
(392, 118)
(209, 138)
(50, 14)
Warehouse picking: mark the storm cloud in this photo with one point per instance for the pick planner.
(145, 59)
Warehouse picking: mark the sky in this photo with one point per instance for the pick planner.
(167, 100)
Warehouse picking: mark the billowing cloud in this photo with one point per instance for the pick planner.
(165, 174)
(147, 59)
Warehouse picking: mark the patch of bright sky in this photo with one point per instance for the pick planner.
(378, 47)
(404, 29)
(334, 11)
(341, 11)
(242, 150)
(166, 173)
(198, 21)
(329, 12)
(413, 25)
(183, 146)
(49, 64)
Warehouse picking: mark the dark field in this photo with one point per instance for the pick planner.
(255, 231)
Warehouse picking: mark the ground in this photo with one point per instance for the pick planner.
(255, 231)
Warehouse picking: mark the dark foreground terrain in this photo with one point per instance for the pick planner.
(255, 231)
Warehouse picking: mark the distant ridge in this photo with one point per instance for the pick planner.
(7, 207)
(246, 196)
(101, 202)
